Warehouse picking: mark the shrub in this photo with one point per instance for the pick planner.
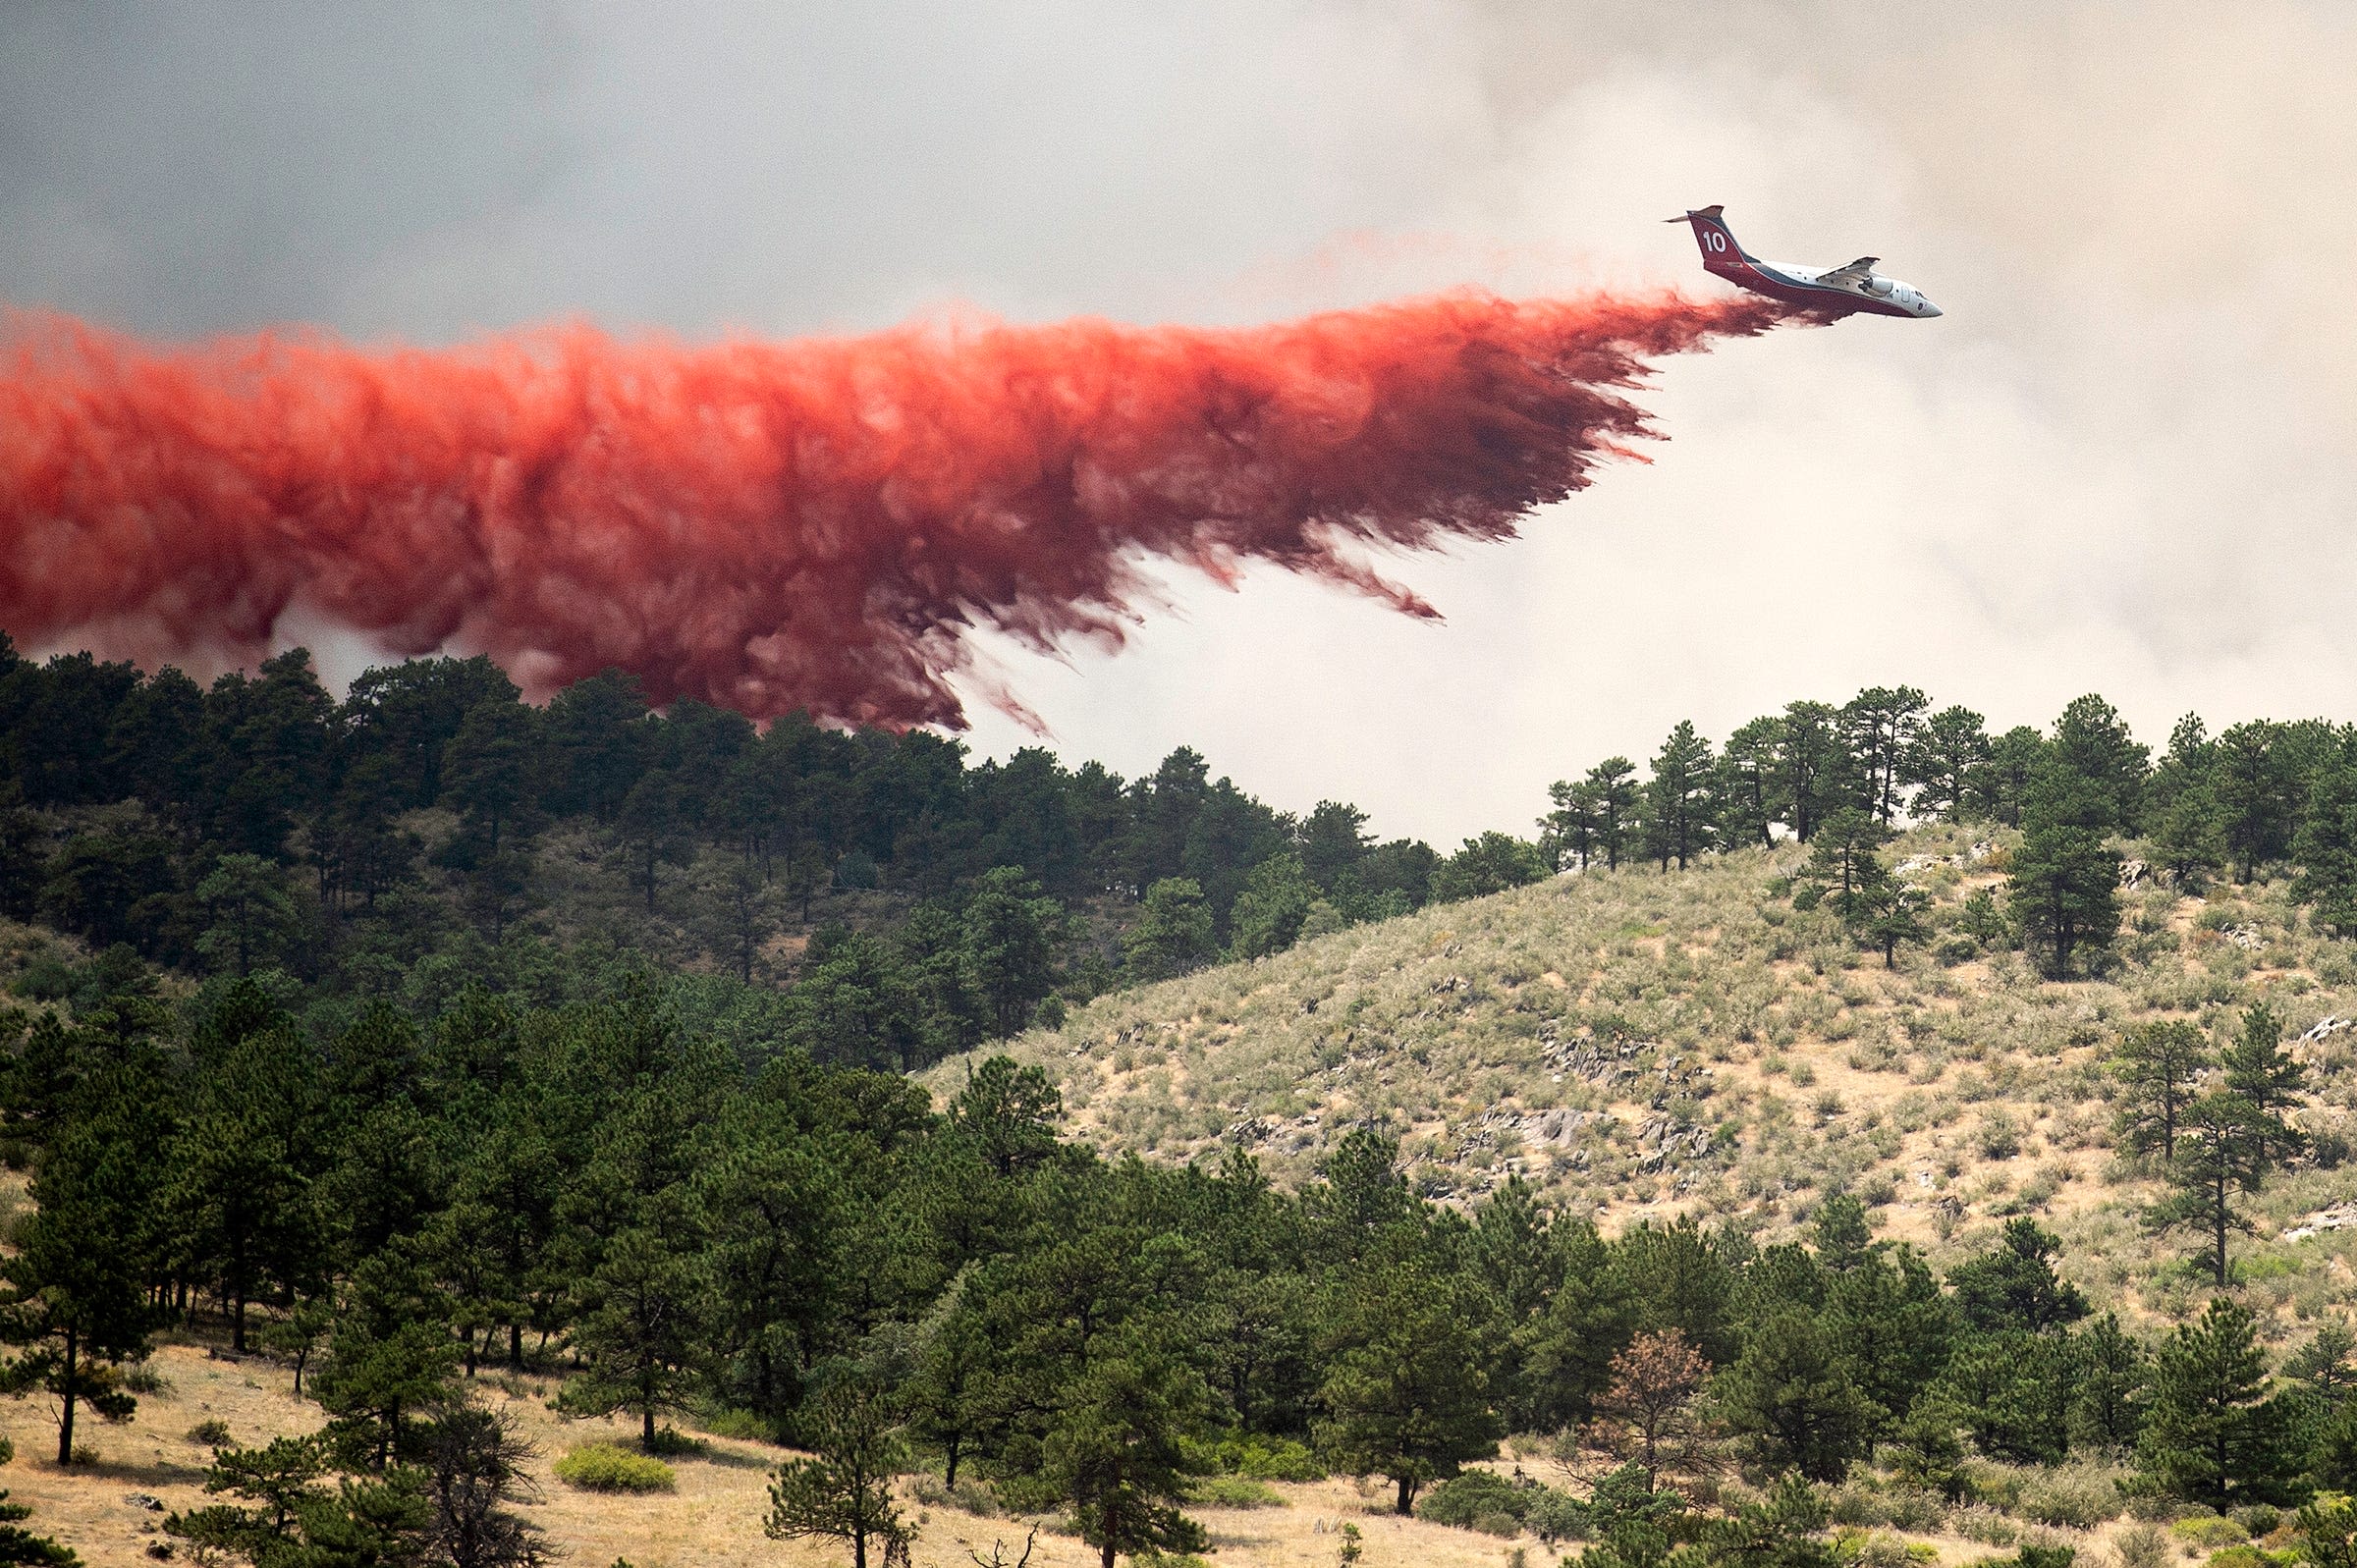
(2209, 1532)
(742, 1424)
(2072, 1496)
(2245, 1555)
(211, 1433)
(1981, 1523)
(1915, 1508)
(1233, 1492)
(608, 1467)
(2140, 1546)
(1262, 1458)
(1484, 1500)
(1554, 1516)
(1871, 1550)
(669, 1440)
(1462, 1499)
(2258, 1519)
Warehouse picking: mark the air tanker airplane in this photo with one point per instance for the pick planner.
(1841, 291)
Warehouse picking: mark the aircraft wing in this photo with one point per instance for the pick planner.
(1854, 272)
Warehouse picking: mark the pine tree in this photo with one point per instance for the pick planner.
(1117, 1448)
(1614, 794)
(1794, 1398)
(2256, 795)
(1810, 765)
(2223, 1144)
(1677, 817)
(76, 1281)
(1951, 748)
(845, 1491)
(1407, 1390)
(2013, 1287)
(2326, 849)
(1883, 726)
(2158, 1065)
(2108, 1405)
(2212, 1435)
(2189, 841)
(2263, 1072)
(1568, 834)
(1174, 932)
(1745, 789)
(638, 1329)
(2065, 887)
(2093, 748)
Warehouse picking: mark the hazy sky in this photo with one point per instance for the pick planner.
(2125, 460)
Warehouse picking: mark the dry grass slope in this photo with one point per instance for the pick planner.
(1640, 1045)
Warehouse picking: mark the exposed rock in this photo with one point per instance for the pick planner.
(2326, 1027)
(2340, 1216)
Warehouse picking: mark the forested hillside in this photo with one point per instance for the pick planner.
(445, 1126)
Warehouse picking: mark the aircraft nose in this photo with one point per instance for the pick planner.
(1931, 309)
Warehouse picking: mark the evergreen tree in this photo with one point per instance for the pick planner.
(1173, 933)
(2223, 1144)
(2326, 849)
(2256, 795)
(1885, 912)
(1795, 1400)
(2108, 1406)
(1569, 834)
(2103, 762)
(1840, 862)
(245, 1163)
(389, 1364)
(1008, 1114)
(2189, 839)
(2212, 1434)
(1408, 1392)
(845, 1491)
(1676, 805)
(2013, 1287)
(490, 769)
(2263, 1072)
(253, 918)
(1268, 913)
(1951, 748)
(2065, 887)
(1614, 795)
(1115, 1448)
(1491, 863)
(2158, 1065)
(1882, 728)
(77, 1282)
(1011, 934)
(650, 832)
(1746, 788)
(1812, 765)
(638, 1327)
(2000, 787)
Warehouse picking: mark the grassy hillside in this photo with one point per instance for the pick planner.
(1637, 1044)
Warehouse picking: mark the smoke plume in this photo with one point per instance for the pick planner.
(766, 526)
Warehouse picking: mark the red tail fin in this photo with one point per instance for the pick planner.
(1720, 251)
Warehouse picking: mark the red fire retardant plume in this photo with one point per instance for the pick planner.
(778, 525)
